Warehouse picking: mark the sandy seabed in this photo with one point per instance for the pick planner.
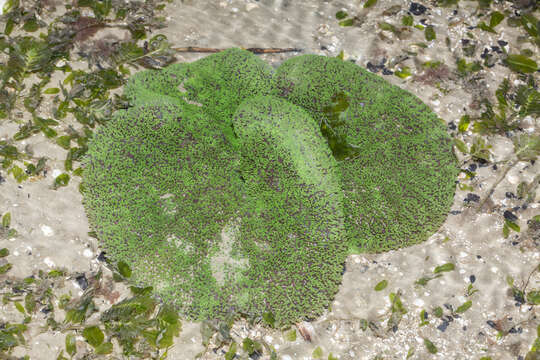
(53, 229)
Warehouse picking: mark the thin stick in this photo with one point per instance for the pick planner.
(253, 50)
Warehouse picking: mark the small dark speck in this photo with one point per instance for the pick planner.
(482, 162)
(465, 41)
(387, 72)
(472, 278)
(492, 324)
(509, 195)
(255, 356)
(46, 310)
(514, 243)
(423, 21)
(454, 12)
(455, 212)
(417, 9)
(452, 126)
(82, 281)
(29, 196)
(494, 167)
(443, 326)
(524, 206)
(496, 49)
(502, 42)
(324, 48)
(478, 256)
(472, 198)
(464, 328)
(472, 167)
(2, 179)
(101, 256)
(509, 216)
(19, 186)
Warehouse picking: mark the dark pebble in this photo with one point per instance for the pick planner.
(455, 212)
(494, 167)
(324, 48)
(443, 326)
(514, 243)
(423, 22)
(515, 208)
(472, 197)
(478, 256)
(255, 356)
(344, 269)
(82, 281)
(101, 256)
(454, 12)
(452, 126)
(387, 72)
(472, 278)
(492, 324)
(465, 41)
(464, 328)
(509, 195)
(472, 167)
(482, 162)
(496, 49)
(509, 216)
(524, 206)
(502, 42)
(372, 68)
(484, 54)
(417, 9)
(2, 179)
(45, 310)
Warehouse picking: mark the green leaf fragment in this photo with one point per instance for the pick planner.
(71, 347)
(290, 335)
(429, 33)
(317, 353)
(61, 180)
(370, 3)
(431, 348)
(340, 15)
(381, 285)
(6, 220)
(444, 268)
(464, 307)
(495, 19)
(346, 22)
(124, 269)
(93, 335)
(533, 297)
(4, 252)
(521, 63)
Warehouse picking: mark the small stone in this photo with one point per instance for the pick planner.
(417, 9)
(82, 281)
(509, 216)
(509, 195)
(101, 256)
(472, 278)
(48, 262)
(443, 326)
(472, 197)
(472, 167)
(46, 230)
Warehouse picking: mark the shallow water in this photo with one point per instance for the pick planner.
(54, 231)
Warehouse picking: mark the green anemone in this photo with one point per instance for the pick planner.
(231, 188)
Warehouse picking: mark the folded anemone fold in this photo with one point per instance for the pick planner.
(233, 188)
